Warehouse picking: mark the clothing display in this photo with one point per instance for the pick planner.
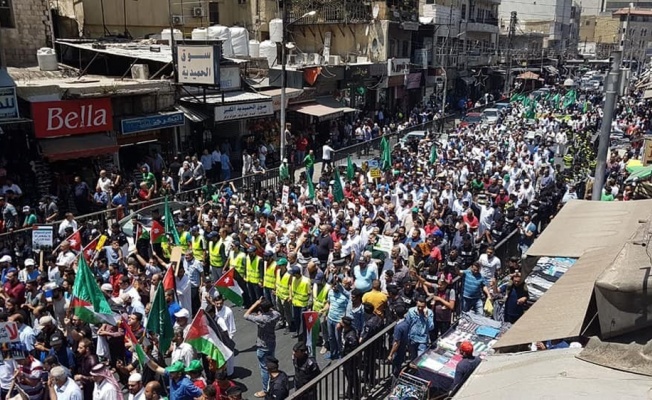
(544, 274)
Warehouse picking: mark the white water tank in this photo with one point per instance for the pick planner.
(223, 33)
(276, 30)
(254, 48)
(199, 34)
(167, 36)
(239, 41)
(47, 59)
(268, 51)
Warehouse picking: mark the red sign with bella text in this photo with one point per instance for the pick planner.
(72, 117)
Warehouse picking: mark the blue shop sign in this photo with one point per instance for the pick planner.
(152, 122)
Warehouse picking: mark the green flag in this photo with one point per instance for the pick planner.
(531, 111)
(570, 98)
(586, 107)
(433, 154)
(88, 301)
(386, 156)
(517, 97)
(284, 172)
(350, 169)
(311, 189)
(338, 191)
(159, 320)
(170, 227)
(555, 100)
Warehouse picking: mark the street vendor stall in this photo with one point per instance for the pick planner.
(437, 365)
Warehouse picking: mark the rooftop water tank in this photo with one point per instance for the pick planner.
(268, 51)
(223, 33)
(276, 30)
(239, 41)
(166, 35)
(47, 59)
(199, 34)
(254, 48)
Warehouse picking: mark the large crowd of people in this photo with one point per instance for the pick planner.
(362, 253)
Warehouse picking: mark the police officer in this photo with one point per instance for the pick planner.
(350, 341)
(278, 388)
(372, 325)
(305, 369)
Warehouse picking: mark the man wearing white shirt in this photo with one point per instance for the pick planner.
(182, 351)
(327, 155)
(135, 386)
(62, 387)
(69, 222)
(225, 314)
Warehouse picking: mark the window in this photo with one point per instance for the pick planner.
(6, 14)
(588, 23)
(406, 49)
(213, 13)
(463, 11)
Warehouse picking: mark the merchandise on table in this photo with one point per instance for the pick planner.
(545, 273)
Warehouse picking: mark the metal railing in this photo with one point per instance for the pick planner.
(364, 373)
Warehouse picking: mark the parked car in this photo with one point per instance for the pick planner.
(414, 135)
(491, 115)
(472, 118)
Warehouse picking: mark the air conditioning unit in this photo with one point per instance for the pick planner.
(363, 59)
(197, 12)
(316, 59)
(140, 71)
(177, 20)
(333, 60)
(352, 59)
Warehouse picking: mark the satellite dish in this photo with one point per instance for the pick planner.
(375, 11)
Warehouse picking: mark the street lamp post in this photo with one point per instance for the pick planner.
(284, 74)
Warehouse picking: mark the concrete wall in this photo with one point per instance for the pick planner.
(31, 32)
(599, 29)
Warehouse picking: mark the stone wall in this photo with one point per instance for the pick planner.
(31, 32)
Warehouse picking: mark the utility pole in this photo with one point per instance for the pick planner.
(510, 43)
(611, 91)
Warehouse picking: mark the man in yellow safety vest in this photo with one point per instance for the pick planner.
(198, 245)
(184, 237)
(216, 253)
(300, 291)
(269, 277)
(319, 300)
(238, 261)
(283, 303)
(254, 275)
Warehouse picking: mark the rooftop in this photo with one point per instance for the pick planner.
(633, 11)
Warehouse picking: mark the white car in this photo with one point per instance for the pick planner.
(414, 135)
(491, 115)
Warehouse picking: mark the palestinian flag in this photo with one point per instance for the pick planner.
(141, 233)
(88, 301)
(157, 233)
(137, 347)
(89, 250)
(311, 321)
(229, 288)
(203, 337)
(75, 241)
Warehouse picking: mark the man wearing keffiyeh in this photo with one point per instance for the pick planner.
(106, 386)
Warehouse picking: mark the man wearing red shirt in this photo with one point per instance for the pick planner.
(114, 279)
(13, 288)
(301, 146)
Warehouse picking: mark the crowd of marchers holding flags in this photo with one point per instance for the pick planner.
(329, 259)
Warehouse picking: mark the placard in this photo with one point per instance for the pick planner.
(8, 332)
(384, 243)
(42, 237)
(285, 198)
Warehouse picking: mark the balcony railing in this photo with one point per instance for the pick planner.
(330, 12)
(486, 20)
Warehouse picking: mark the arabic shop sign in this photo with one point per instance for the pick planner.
(357, 72)
(8, 103)
(152, 122)
(239, 111)
(199, 65)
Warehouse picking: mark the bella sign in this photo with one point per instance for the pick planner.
(72, 117)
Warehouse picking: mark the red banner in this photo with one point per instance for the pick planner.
(72, 117)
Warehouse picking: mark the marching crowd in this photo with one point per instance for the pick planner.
(358, 251)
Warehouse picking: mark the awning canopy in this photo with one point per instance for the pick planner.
(321, 111)
(529, 75)
(192, 113)
(71, 147)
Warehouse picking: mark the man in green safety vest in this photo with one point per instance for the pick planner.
(283, 303)
(217, 253)
(254, 274)
(269, 278)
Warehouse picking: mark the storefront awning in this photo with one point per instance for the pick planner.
(71, 147)
(192, 114)
(275, 94)
(321, 111)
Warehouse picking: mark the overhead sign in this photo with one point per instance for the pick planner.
(199, 65)
(239, 111)
(42, 237)
(8, 103)
(72, 117)
(152, 122)
(230, 78)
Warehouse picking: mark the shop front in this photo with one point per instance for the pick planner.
(140, 137)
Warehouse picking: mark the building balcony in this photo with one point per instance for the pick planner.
(478, 60)
(330, 12)
(486, 25)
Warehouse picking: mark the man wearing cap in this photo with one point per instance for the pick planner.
(466, 366)
(194, 371)
(135, 386)
(279, 385)
(60, 349)
(46, 329)
(305, 369)
(181, 387)
(29, 272)
(217, 252)
(62, 387)
(106, 386)
(350, 342)
(254, 274)
(181, 320)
